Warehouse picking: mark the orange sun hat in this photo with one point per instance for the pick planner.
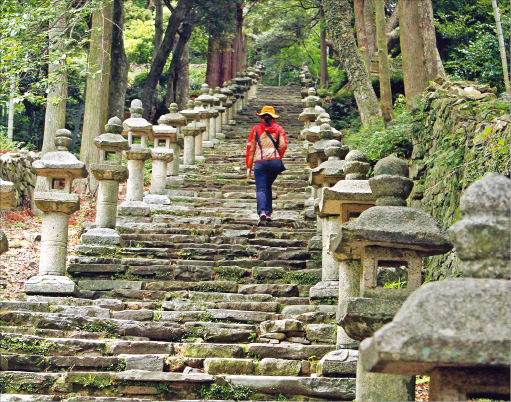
(268, 110)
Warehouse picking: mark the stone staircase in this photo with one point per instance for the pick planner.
(197, 303)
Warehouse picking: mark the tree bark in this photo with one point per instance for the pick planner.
(55, 116)
(10, 118)
(227, 64)
(502, 48)
(370, 27)
(158, 25)
(172, 75)
(337, 13)
(96, 101)
(323, 76)
(119, 65)
(363, 45)
(214, 63)
(383, 63)
(418, 47)
(148, 90)
(183, 83)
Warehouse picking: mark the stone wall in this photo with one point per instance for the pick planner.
(461, 132)
(17, 167)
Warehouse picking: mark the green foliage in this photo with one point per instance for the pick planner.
(226, 391)
(197, 76)
(32, 346)
(139, 41)
(378, 142)
(10, 145)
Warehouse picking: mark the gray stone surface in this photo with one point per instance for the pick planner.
(321, 333)
(215, 365)
(462, 321)
(145, 362)
(50, 284)
(279, 367)
(338, 363)
(281, 326)
(103, 236)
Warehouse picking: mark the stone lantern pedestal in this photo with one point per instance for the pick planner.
(201, 121)
(177, 120)
(222, 110)
(340, 204)
(190, 131)
(109, 172)
(139, 131)
(215, 115)
(390, 240)
(458, 330)
(59, 168)
(227, 116)
(325, 176)
(7, 201)
(207, 117)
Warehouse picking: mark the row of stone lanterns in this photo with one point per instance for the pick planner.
(60, 168)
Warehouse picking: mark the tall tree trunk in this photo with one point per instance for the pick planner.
(148, 90)
(337, 13)
(227, 64)
(237, 45)
(158, 25)
(363, 45)
(214, 63)
(370, 27)
(172, 75)
(383, 63)
(502, 48)
(55, 116)
(323, 76)
(96, 101)
(10, 118)
(418, 47)
(119, 65)
(182, 84)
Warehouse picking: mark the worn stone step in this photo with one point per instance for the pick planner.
(39, 363)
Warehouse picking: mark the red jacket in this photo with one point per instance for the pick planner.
(264, 149)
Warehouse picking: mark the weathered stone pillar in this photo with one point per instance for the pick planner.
(202, 120)
(161, 156)
(7, 201)
(207, 117)
(325, 176)
(222, 110)
(139, 131)
(391, 261)
(59, 168)
(342, 203)
(109, 172)
(177, 120)
(190, 131)
(215, 114)
(458, 330)
(227, 116)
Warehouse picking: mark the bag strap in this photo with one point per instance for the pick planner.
(275, 143)
(259, 143)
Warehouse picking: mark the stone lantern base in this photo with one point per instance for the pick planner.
(51, 285)
(134, 208)
(102, 236)
(176, 181)
(158, 199)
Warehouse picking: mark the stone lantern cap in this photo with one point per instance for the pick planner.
(388, 224)
(202, 112)
(60, 161)
(348, 191)
(333, 168)
(220, 95)
(162, 154)
(309, 113)
(190, 113)
(311, 134)
(112, 140)
(205, 97)
(213, 107)
(457, 323)
(193, 128)
(136, 123)
(226, 90)
(173, 118)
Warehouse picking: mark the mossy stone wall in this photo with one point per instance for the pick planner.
(461, 132)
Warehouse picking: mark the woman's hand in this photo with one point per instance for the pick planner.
(249, 173)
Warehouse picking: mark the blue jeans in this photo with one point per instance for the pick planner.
(265, 173)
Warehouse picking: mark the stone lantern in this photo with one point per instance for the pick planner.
(177, 120)
(390, 240)
(325, 176)
(139, 131)
(237, 90)
(458, 330)
(337, 205)
(228, 115)
(311, 134)
(240, 81)
(309, 113)
(190, 132)
(161, 156)
(221, 109)
(109, 172)
(58, 168)
(202, 121)
(7, 201)
(215, 115)
(207, 115)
